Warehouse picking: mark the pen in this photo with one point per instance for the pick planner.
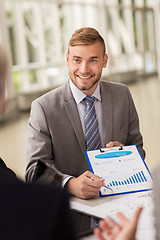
(108, 187)
(103, 186)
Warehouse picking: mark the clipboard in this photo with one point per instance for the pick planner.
(123, 169)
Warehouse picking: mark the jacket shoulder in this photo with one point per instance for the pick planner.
(53, 96)
(113, 85)
(114, 88)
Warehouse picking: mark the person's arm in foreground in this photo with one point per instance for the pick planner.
(124, 231)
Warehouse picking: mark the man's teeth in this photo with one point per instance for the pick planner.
(85, 77)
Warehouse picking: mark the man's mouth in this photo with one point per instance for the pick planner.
(84, 77)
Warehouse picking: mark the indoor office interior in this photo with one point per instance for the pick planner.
(35, 35)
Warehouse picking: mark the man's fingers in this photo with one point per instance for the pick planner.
(94, 180)
(136, 215)
(122, 217)
(91, 175)
(126, 230)
(105, 227)
(113, 144)
(109, 226)
(98, 234)
(113, 225)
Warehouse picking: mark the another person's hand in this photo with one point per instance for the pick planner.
(114, 231)
(113, 144)
(84, 186)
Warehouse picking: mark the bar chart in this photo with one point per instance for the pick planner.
(131, 181)
(138, 177)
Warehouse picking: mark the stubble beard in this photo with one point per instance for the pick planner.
(90, 87)
(85, 88)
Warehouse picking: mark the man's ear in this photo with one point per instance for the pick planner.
(67, 58)
(105, 60)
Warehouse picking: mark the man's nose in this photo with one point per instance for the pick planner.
(84, 68)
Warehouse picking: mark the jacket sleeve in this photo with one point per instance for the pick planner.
(40, 146)
(134, 134)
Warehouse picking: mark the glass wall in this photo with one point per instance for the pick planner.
(38, 32)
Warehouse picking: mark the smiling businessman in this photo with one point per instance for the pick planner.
(85, 113)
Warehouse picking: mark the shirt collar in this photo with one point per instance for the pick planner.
(79, 95)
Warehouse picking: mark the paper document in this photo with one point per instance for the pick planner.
(103, 207)
(124, 170)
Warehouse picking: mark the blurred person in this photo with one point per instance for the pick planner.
(5, 172)
(59, 134)
(125, 230)
(3, 70)
(30, 211)
(156, 193)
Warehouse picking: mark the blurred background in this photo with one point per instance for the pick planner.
(35, 35)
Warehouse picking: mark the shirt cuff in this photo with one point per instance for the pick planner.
(66, 180)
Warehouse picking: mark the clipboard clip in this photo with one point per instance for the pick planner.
(110, 149)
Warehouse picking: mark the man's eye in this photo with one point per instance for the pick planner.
(76, 60)
(93, 61)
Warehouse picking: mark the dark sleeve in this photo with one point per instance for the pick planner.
(65, 228)
(6, 174)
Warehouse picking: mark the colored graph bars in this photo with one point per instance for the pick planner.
(134, 179)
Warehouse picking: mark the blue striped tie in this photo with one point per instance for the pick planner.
(92, 136)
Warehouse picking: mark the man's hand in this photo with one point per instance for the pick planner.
(124, 231)
(84, 186)
(113, 144)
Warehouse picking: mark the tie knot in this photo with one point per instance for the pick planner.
(89, 100)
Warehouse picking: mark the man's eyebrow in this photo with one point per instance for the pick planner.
(74, 56)
(94, 57)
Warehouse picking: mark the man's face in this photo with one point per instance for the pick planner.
(85, 63)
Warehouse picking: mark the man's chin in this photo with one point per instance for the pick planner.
(84, 86)
(88, 87)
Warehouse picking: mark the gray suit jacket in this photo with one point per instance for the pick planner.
(56, 134)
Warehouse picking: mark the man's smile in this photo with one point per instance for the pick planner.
(85, 77)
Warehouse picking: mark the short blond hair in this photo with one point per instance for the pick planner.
(86, 36)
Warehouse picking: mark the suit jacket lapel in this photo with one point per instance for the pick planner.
(107, 111)
(73, 115)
